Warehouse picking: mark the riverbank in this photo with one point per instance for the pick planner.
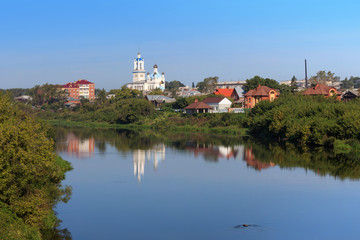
(215, 130)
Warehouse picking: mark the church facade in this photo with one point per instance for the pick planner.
(146, 82)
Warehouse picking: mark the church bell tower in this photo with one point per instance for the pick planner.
(139, 69)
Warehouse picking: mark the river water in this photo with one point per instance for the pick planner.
(149, 185)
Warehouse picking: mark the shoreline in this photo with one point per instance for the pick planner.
(218, 130)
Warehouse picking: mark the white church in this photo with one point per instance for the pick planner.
(143, 81)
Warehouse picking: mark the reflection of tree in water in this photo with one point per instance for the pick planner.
(256, 154)
(320, 161)
(57, 234)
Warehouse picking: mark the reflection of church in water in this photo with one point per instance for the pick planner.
(155, 154)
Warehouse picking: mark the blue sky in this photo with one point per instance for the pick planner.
(62, 41)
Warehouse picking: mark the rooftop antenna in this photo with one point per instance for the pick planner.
(306, 79)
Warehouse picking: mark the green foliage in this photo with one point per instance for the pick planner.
(255, 81)
(100, 96)
(322, 77)
(306, 120)
(13, 227)
(132, 110)
(173, 85)
(48, 94)
(16, 92)
(31, 172)
(157, 91)
(293, 82)
(126, 93)
(208, 85)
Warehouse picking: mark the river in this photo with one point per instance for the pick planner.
(151, 185)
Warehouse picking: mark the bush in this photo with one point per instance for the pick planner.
(306, 120)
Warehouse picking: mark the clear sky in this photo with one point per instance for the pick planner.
(60, 41)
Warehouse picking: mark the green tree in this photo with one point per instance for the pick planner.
(347, 84)
(173, 85)
(126, 93)
(293, 82)
(208, 85)
(47, 94)
(101, 97)
(322, 77)
(256, 80)
(157, 91)
(132, 110)
(31, 171)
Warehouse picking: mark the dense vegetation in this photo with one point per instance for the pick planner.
(311, 121)
(31, 175)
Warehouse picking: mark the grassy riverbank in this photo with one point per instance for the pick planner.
(215, 130)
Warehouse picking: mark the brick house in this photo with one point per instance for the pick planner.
(80, 88)
(253, 96)
(322, 90)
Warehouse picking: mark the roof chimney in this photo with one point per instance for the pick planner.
(196, 100)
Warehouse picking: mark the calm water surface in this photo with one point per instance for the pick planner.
(129, 185)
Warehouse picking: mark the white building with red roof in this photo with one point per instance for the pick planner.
(80, 89)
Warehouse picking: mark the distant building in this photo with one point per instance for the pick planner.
(230, 84)
(226, 92)
(322, 90)
(146, 82)
(187, 92)
(80, 89)
(198, 107)
(253, 96)
(109, 96)
(23, 98)
(350, 95)
(299, 83)
(158, 100)
(219, 104)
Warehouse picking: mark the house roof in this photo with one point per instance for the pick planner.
(320, 89)
(76, 84)
(239, 91)
(198, 105)
(71, 85)
(260, 91)
(83, 81)
(227, 92)
(159, 98)
(213, 99)
(351, 92)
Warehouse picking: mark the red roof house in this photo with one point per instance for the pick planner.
(258, 94)
(198, 107)
(322, 90)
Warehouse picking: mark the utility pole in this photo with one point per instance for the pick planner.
(306, 79)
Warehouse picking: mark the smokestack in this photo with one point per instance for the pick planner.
(306, 79)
